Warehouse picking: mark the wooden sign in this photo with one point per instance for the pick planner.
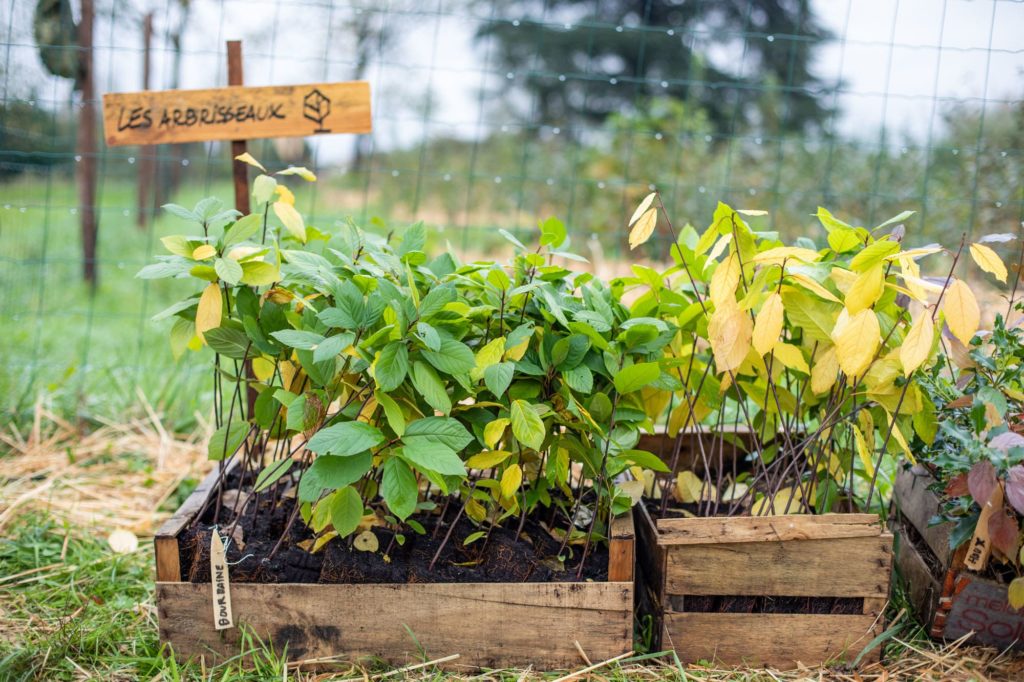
(236, 113)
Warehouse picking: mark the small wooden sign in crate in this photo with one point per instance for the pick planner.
(950, 600)
(493, 625)
(775, 591)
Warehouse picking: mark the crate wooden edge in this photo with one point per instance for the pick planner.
(707, 631)
(608, 635)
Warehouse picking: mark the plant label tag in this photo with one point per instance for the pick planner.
(981, 544)
(221, 585)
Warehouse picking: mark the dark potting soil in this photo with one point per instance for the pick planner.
(500, 557)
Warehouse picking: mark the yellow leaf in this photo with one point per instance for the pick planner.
(262, 368)
(825, 371)
(642, 208)
(495, 430)
(918, 345)
(916, 253)
(989, 261)
(1015, 592)
(785, 501)
(248, 158)
(285, 194)
(291, 219)
(208, 311)
(866, 289)
(680, 418)
(863, 452)
(901, 440)
(792, 357)
(807, 283)
(516, 353)
(644, 228)
(634, 489)
(487, 459)
(203, 252)
(475, 510)
(729, 331)
(511, 479)
(768, 324)
(654, 400)
(301, 171)
(856, 342)
(688, 487)
(780, 254)
(719, 247)
(961, 311)
(725, 281)
(491, 353)
(366, 542)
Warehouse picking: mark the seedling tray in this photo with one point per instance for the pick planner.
(492, 625)
(776, 591)
(950, 600)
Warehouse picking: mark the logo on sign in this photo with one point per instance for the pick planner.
(316, 106)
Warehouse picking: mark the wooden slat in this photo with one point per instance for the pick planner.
(235, 113)
(165, 542)
(843, 567)
(493, 625)
(650, 577)
(663, 445)
(621, 549)
(924, 588)
(919, 504)
(782, 641)
(713, 530)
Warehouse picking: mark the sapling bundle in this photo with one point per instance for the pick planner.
(370, 386)
(796, 362)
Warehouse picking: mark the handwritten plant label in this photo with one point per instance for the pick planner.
(222, 619)
(981, 544)
(235, 113)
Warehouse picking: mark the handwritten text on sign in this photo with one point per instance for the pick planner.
(236, 113)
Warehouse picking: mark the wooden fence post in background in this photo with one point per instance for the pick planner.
(147, 153)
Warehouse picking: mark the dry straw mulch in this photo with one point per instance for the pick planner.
(114, 477)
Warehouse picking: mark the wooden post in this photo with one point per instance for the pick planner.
(86, 170)
(239, 170)
(147, 162)
(240, 173)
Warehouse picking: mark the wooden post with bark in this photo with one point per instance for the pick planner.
(147, 153)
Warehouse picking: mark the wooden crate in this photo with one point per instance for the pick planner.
(950, 600)
(488, 624)
(830, 555)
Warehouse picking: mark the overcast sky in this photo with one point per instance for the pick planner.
(902, 61)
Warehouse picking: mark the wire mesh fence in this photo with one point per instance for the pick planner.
(488, 114)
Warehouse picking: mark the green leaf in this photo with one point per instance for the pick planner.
(257, 273)
(297, 338)
(873, 254)
(263, 188)
(635, 377)
(332, 346)
(414, 239)
(291, 219)
(228, 269)
(181, 212)
(527, 427)
(244, 227)
(175, 309)
(331, 472)
(398, 488)
(392, 366)
(271, 473)
(430, 386)
(645, 459)
(552, 232)
(579, 379)
(344, 439)
(498, 377)
(435, 457)
(431, 339)
(346, 510)
(396, 420)
(228, 341)
(436, 299)
(473, 537)
(454, 357)
(443, 430)
(226, 440)
(179, 245)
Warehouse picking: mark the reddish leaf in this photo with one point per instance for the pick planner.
(1005, 441)
(957, 486)
(1015, 487)
(981, 481)
(1004, 532)
(962, 401)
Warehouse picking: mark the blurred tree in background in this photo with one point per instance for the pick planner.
(584, 61)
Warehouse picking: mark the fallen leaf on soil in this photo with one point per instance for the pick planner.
(366, 542)
(123, 541)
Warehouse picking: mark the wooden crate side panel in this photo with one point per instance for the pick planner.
(923, 586)
(805, 568)
(165, 542)
(981, 606)
(690, 457)
(716, 530)
(492, 625)
(918, 505)
(622, 549)
(650, 582)
(782, 641)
